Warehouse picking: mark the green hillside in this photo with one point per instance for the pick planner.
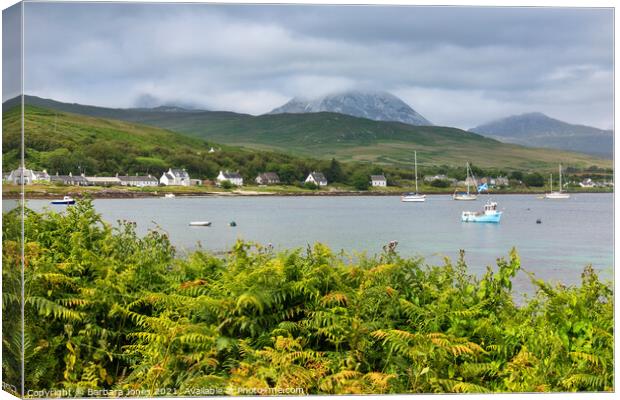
(63, 142)
(328, 135)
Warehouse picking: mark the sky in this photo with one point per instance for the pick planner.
(457, 66)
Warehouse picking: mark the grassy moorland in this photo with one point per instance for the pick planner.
(66, 143)
(346, 138)
(108, 311)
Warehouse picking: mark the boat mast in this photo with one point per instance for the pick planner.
(415, 168)
(467, 177)
(551, 182)
(560, 172)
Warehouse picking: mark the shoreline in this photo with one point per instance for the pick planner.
(115, 194)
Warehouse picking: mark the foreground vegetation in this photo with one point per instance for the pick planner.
(108, 310)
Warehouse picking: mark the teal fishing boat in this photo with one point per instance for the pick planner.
(489, 214)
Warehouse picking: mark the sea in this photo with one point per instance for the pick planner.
(571, 234)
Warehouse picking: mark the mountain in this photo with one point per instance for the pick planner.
(325, 135)
(378, 106)
(539, 130)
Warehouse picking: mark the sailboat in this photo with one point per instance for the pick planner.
(559, 194)
(468, 195)
(414, 197)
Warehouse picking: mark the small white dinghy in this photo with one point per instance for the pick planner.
(169, 196)
(200, 223)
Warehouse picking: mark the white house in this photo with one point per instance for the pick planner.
(175, 177)
(27, 176)
(21, 176)
(41, 176)
(138, 180)
(232, 177)
(102, 180)
(378, 181)
(440, 177)
(317, 178)
(587, 183)
(501, 181)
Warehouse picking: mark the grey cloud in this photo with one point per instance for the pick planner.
(11, 52)
(444, 61)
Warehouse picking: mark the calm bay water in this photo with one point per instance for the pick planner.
(573, 233)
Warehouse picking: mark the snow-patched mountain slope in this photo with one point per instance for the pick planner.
(378, 106)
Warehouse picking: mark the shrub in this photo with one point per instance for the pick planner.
(311, 186)
(107, 309)
(360, 181)
(534, 179)
(440, 183)
(226, 185)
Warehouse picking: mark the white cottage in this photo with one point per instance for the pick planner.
(378, 181)
(138, 180)
(102, 180)
(232, 177)
(21, 176)
(175, 177)
(317, 178)
(27, 176)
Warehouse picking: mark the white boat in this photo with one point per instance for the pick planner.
(559, 194)
(200, 223)
(467, 195)
(65, 200)
(489, 214)
(169, 196)
(414, 197)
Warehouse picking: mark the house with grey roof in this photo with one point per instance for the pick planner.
(378, 181)
(138, 180)
(233, 177)
(317, 178)
(102, 180)
(27, 176)
(175, 177)
(77, 180)
(268, 178)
